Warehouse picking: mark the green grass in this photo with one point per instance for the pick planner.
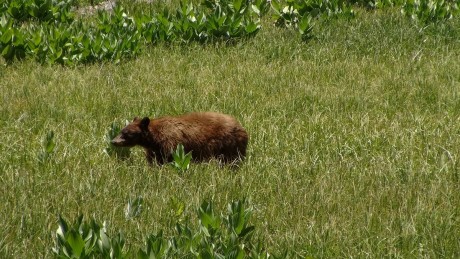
(354, 140)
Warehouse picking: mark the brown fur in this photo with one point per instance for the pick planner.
(207, 135)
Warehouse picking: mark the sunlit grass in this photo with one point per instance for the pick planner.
(354, 140)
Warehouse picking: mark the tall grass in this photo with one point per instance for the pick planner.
(354, 140)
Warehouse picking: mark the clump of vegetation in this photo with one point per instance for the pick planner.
(47, 11)
(48, 145)
(429, 11)
(86, 240)
(181, 161)
(57, 38)
(134, 208)
(51, 34)
(216, 236)
(225, 236)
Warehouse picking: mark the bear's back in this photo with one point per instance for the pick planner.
(197, 121)
(206, 133)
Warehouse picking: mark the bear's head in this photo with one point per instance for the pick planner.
(133, 134)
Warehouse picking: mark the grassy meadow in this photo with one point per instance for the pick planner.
(354, 139)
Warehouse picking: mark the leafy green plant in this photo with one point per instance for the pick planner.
(12, 41)
(40, 10)
(112, 131)
(177, 209)
(86, 240)
(190, 23)
(16, 9)
(181, 161)
(230, 19)
(377, 4)
(285, 16)
(48, 146)
(263, 6)
(217, 236)
(116, 36)
(156, 247)
(298, 14)
(57, 38)
(51, 35)
(292, 11)
(289, 17)
(211, 21)
(134, 208)
(160, 28)
(430, 10)
(53, 44)
(305, 28)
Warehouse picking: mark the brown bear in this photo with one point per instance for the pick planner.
(207, 135)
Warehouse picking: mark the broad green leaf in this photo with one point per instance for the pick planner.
(133, 208)
(206, 215)
(7, 52)
(237, 5)
(104, 242)
(276, 6)
(304, 24)
(251, 28)
(240, 254)
(246, 231)
(178, 206)
(63, 227)
(255, 9)
(7, 36)
(76, 242)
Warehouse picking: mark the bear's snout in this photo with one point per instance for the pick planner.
(118, 141)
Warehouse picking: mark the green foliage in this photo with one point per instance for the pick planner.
(178, 206)
(112, 131)
(86, 240)
(298, 14)
(305, 28)
(114, 36)
(12, 42)
(41, 10)
(232, 19)
(117, 35)
(181, 161)
(156, 247)
(134, 208)
(224, 236)
(56, 44)
(189, 23)
(46, 29)
(377, 4)
(431, 10)
(48, 145)
(290, 13)
(426, 11)
(209, 22)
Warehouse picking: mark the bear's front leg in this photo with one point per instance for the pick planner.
(150, 155)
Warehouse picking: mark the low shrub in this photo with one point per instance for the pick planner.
(216, 236)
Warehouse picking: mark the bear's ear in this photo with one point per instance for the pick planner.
(145, 122)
